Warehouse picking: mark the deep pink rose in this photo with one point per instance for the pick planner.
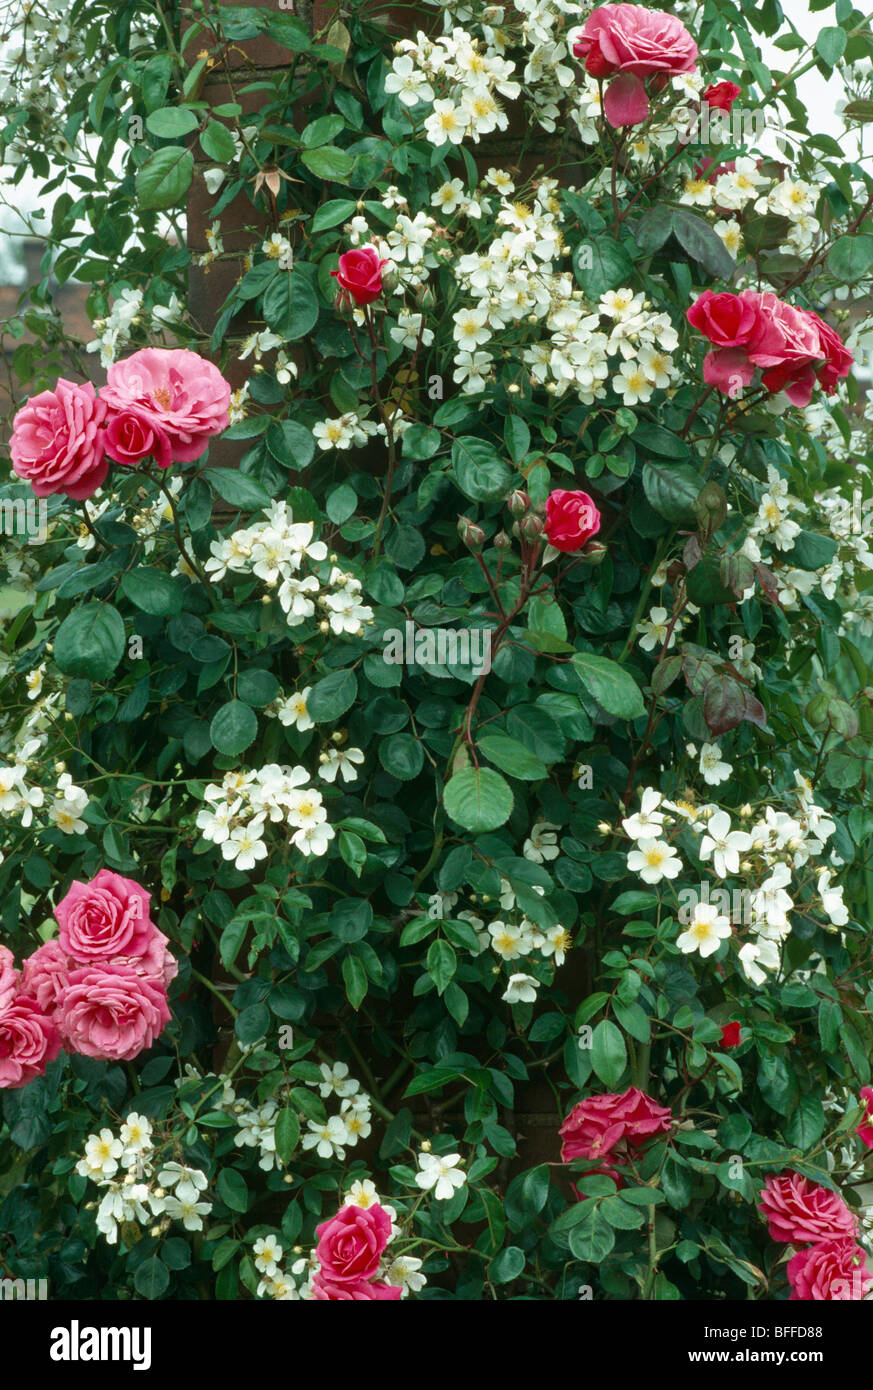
(629, 43)
(832, 1271)
(9, 976)
(155, 961)
(359, 274)
(45, 975)
(104, 918)
(865, 1128)
(58, 441)
(571, 519)
(111, 1012)
(798, 1210)
(131, 437)
(837, 357)
(360, 1291)
(176, 392)
(721, 95)
(594, 1126)
(727, 320)
(28, 1041)
(350, 1243)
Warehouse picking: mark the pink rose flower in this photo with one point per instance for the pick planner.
(130, 438)
(832, 1271)
(571, 519)
(865, 1128)
(174, 391)
(798, 1210)
(104, 918)
(363, 1290)
(629, 43)
(837, 357)
(45, 975)
(359, 274)
(350, 1243)
(596, 1125)
(111, 1012)
(9, 976)
(28, 1042)
(58, 441)
(156, 962)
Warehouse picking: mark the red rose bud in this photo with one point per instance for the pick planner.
(730, 1035)
(571, 520)
(721, 95)
(359, 274)
(472, 535)
(518, 502)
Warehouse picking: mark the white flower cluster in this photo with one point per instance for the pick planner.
(275, 551)
(352, 1122)
(127, 312)
(469, 81)
(124, 1167)
(239, 808)
(19, 797)
(769, 853)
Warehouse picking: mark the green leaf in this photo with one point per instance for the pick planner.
(830, 45)
(697, 238)
(329, 163)
(217, 143)
(287, 1134)
(512, 757)
(608, 1053)
(290, 305)
(672, 490)
(238, 489)
(600, 266)
(165, 178)
(479, 471)
(257, 687)
(610, 685)
(478, 799)
(152, 1278)
(171, 122)
(234, 728)
(441, 963)
(592, 1237)
(402, 755)
(332, 212)
(851, 257)
(232, 937)
(153, 591)
(332, 696)
(232, 1189)
(90, 641)
(506, 1266)
(355, 980)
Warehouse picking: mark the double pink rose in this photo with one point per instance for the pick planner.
(174, 394)
(350, 1244)
(9, 976)
(58, 441)
(792, 346)
(571, 519)
(111, 1012)
(104, 918)
(831, 1271)
(798, 1210)
(163, 402)
(607, 1127)
(28, 1041)
(629, 43)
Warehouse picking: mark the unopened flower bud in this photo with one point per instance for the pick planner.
(518, 502)
(502, 541)
(472, 535)
(531, 527)
(592, 553)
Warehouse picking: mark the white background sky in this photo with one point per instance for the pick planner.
(818, 94)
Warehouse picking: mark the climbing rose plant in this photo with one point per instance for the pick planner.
(487, 740)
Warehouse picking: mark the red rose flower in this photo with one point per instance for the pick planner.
(359, 274)
(730, 1035)
(131, 438)
(571, 519)
(350, 1243)
(596, 1125)
(832, 1271)
(721, 95)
